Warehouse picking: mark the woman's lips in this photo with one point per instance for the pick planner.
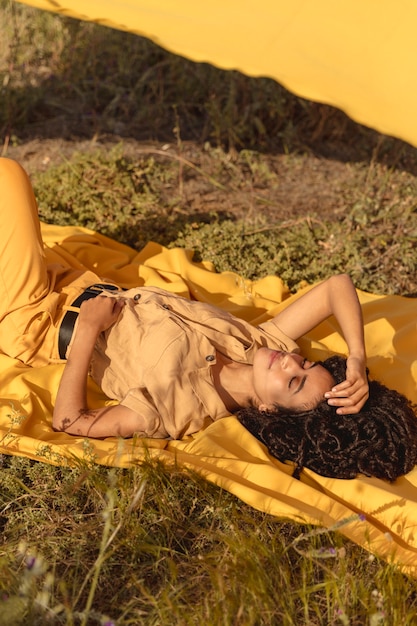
(275, 355)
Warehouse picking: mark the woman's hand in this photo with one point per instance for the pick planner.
(351, 394)
(71, 411)
(100, 313)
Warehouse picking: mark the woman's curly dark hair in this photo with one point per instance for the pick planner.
(379, 441)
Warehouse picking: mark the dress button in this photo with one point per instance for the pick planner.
(136, 297)
(210, 357)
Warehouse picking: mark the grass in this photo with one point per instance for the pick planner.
(157, 545)
(187, 155)
(138, 199)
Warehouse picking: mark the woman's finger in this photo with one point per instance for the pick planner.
(351, 404)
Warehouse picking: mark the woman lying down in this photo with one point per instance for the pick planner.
(176, 365)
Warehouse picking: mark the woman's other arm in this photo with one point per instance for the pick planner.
(335, 296)
(71, 413)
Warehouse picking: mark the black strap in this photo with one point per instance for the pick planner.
(68, 322)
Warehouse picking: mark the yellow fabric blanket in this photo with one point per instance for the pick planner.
(226, 453)
(353, 54)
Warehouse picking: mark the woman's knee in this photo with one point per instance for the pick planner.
(10, 169)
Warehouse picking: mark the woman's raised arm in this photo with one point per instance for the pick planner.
(335, 296)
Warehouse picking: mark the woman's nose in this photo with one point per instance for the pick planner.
(290, 362)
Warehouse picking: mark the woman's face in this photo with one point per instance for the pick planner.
(289, 380)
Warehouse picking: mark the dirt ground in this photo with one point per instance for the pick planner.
(279, 187)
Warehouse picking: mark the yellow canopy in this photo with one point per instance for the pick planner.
(353, 54)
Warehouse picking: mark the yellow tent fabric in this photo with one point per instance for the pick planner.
(358, 56)
(225, 453)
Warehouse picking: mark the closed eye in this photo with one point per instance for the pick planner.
(304, 378)
(301, 385)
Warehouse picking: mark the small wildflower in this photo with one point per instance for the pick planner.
(378, 618)
(30, 562)
(342, 617)
(378, 598)
(34, 565)
(320, 553)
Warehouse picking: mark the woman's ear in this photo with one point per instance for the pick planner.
(263, 408)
